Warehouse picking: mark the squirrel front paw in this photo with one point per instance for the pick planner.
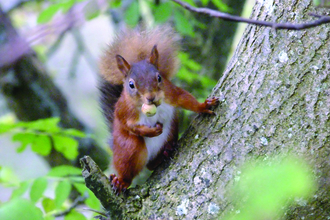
(208, 104)
(155, 131)
(158, 129)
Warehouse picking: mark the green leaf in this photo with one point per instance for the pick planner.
(4, 127)
(163, 12)
(48, 204)
(115, 3)
(220, 5)
(42, 145)
(23, 187)
(91, 201)
(74, 215)
(64, 170)
(76, 179)
(188, 73)
(25, 138)
(182, 24)
(81, 188)
(20, 209)
(37, 189)
(41, 52)
(132, 14)
(47, 14)
(204, 2)
(62, 192)
(8, 177)
(194, 66)
(7, 122)
(73, 132)
(49, 217)
(66, 145)
(91, 10)
(48, 124)
(185, 75)
(190, 2)
(66, 5)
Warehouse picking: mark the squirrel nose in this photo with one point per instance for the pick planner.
(150, 99)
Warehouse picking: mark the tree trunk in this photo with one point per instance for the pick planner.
(31, 94)
(275, 99)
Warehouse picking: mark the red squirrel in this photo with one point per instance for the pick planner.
(136, 71)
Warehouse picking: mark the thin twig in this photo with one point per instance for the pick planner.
(96, 211)
(76, 202)
(83, 49)
(225, 16)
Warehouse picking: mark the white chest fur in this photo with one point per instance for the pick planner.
(165, 114)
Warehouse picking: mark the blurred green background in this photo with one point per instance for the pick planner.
(40, 151)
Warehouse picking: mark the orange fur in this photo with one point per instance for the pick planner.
(143, 62)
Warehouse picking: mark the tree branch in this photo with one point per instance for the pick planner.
(121, 206)
(99, 184)
(228, 17)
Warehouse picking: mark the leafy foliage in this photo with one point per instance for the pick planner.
(63, 177)
(63, 6)
(62, 192)
(165, 12)
(189, 75)
(132, 14)
(38, 187)
(18, 207)
(42, 135)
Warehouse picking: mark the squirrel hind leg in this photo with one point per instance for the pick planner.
(164, 154)
(129, 159)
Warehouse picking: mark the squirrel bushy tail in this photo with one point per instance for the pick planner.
(109, 95)
(136, 45)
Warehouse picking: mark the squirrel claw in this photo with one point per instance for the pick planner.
(117, 185)
(208, 104)
(212, 101)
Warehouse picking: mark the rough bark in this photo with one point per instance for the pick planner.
(275, 99)
(31, 94)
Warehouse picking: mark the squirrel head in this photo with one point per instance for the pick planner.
(142, 81)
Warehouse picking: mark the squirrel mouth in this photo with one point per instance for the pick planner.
(156, 103)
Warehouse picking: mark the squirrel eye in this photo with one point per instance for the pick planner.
(131, 85)
(159, 78)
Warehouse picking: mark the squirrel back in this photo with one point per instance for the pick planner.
(135, 45)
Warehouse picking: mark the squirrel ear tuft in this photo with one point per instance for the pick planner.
(154, 56)
(123, 65)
